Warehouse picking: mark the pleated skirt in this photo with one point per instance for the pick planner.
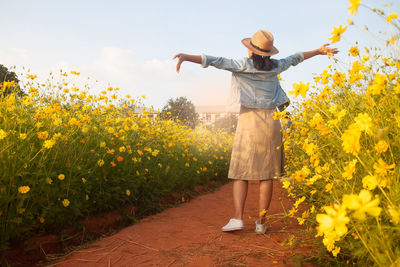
(257, 152)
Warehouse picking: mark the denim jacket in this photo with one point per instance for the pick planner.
(250, 87)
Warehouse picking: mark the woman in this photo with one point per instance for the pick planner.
(257, 152)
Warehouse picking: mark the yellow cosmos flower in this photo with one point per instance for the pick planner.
(43, 135)
(65, 202)
(364, 122)
(351, 140)
(395, 214)
(382, 168)
(48, 180)
(3, 134)
(61, 177)
(128, 192)
(100, 162)
(334, 220)
(285, 184)
(381, 146)
(391, 16)
(349, 170)
(379, 85)
(337, 33)
(353, 8)
(122, 149)
(49, 143)
(102, 144)
(370, 182)
(300, 88)
(24, 189)
(22, 136)
(155, 152)
(362, 204)
(354, 51)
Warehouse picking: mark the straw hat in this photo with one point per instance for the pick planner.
(262, 43)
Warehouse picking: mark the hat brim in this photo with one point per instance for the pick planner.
(246, 43)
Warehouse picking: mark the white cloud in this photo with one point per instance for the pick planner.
(117, 67)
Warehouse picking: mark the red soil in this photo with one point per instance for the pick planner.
(190, 235)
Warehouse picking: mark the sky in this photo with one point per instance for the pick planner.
(130, 44)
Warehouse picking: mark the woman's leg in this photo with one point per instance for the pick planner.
(239, 197)
(265, 197)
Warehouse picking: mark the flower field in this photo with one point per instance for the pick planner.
(65, 154)
(343, 155)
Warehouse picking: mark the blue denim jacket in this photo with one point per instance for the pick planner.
(250, 87)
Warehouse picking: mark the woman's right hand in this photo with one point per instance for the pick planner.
(181, 58)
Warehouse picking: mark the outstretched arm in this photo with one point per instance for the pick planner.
(186, 57)
(323, 50)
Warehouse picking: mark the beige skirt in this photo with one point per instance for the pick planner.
(257, 152)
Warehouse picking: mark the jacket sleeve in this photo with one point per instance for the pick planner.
(292, 60)
(232, 65)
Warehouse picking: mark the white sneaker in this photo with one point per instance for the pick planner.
(261, 228)
(233, 225)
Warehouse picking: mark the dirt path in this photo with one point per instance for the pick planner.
(190, 235)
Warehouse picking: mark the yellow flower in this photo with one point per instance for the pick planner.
(379, 85)
(61, 177)
(102, 144)
(351, 140)
(285, 184)
(362, 204)
(381, 146)
(83, 180)
(156, 151)
(335, 251)
(49, 143)
(337, 33)
(100, 162)
(263, 213)
(354, 51)
(300, 175)
(24, 189)
(328, 187)
(65, 202)
(395, 214)
(3, 134)
(300, 88)
(334, 220)
(364, 122)
(382, 168)
(128, 192)
(22, 136)
(43, 135)
(122, 149)
(370, 182)
(354, 6)
(49, 180)
(349, 170)
(391, 16)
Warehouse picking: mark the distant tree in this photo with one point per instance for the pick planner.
(9, 82)
(180, 109)
(228, 123)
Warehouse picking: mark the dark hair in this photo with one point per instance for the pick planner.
(262, 62)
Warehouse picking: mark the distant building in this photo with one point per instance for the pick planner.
(151, 113)
(210, 114)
